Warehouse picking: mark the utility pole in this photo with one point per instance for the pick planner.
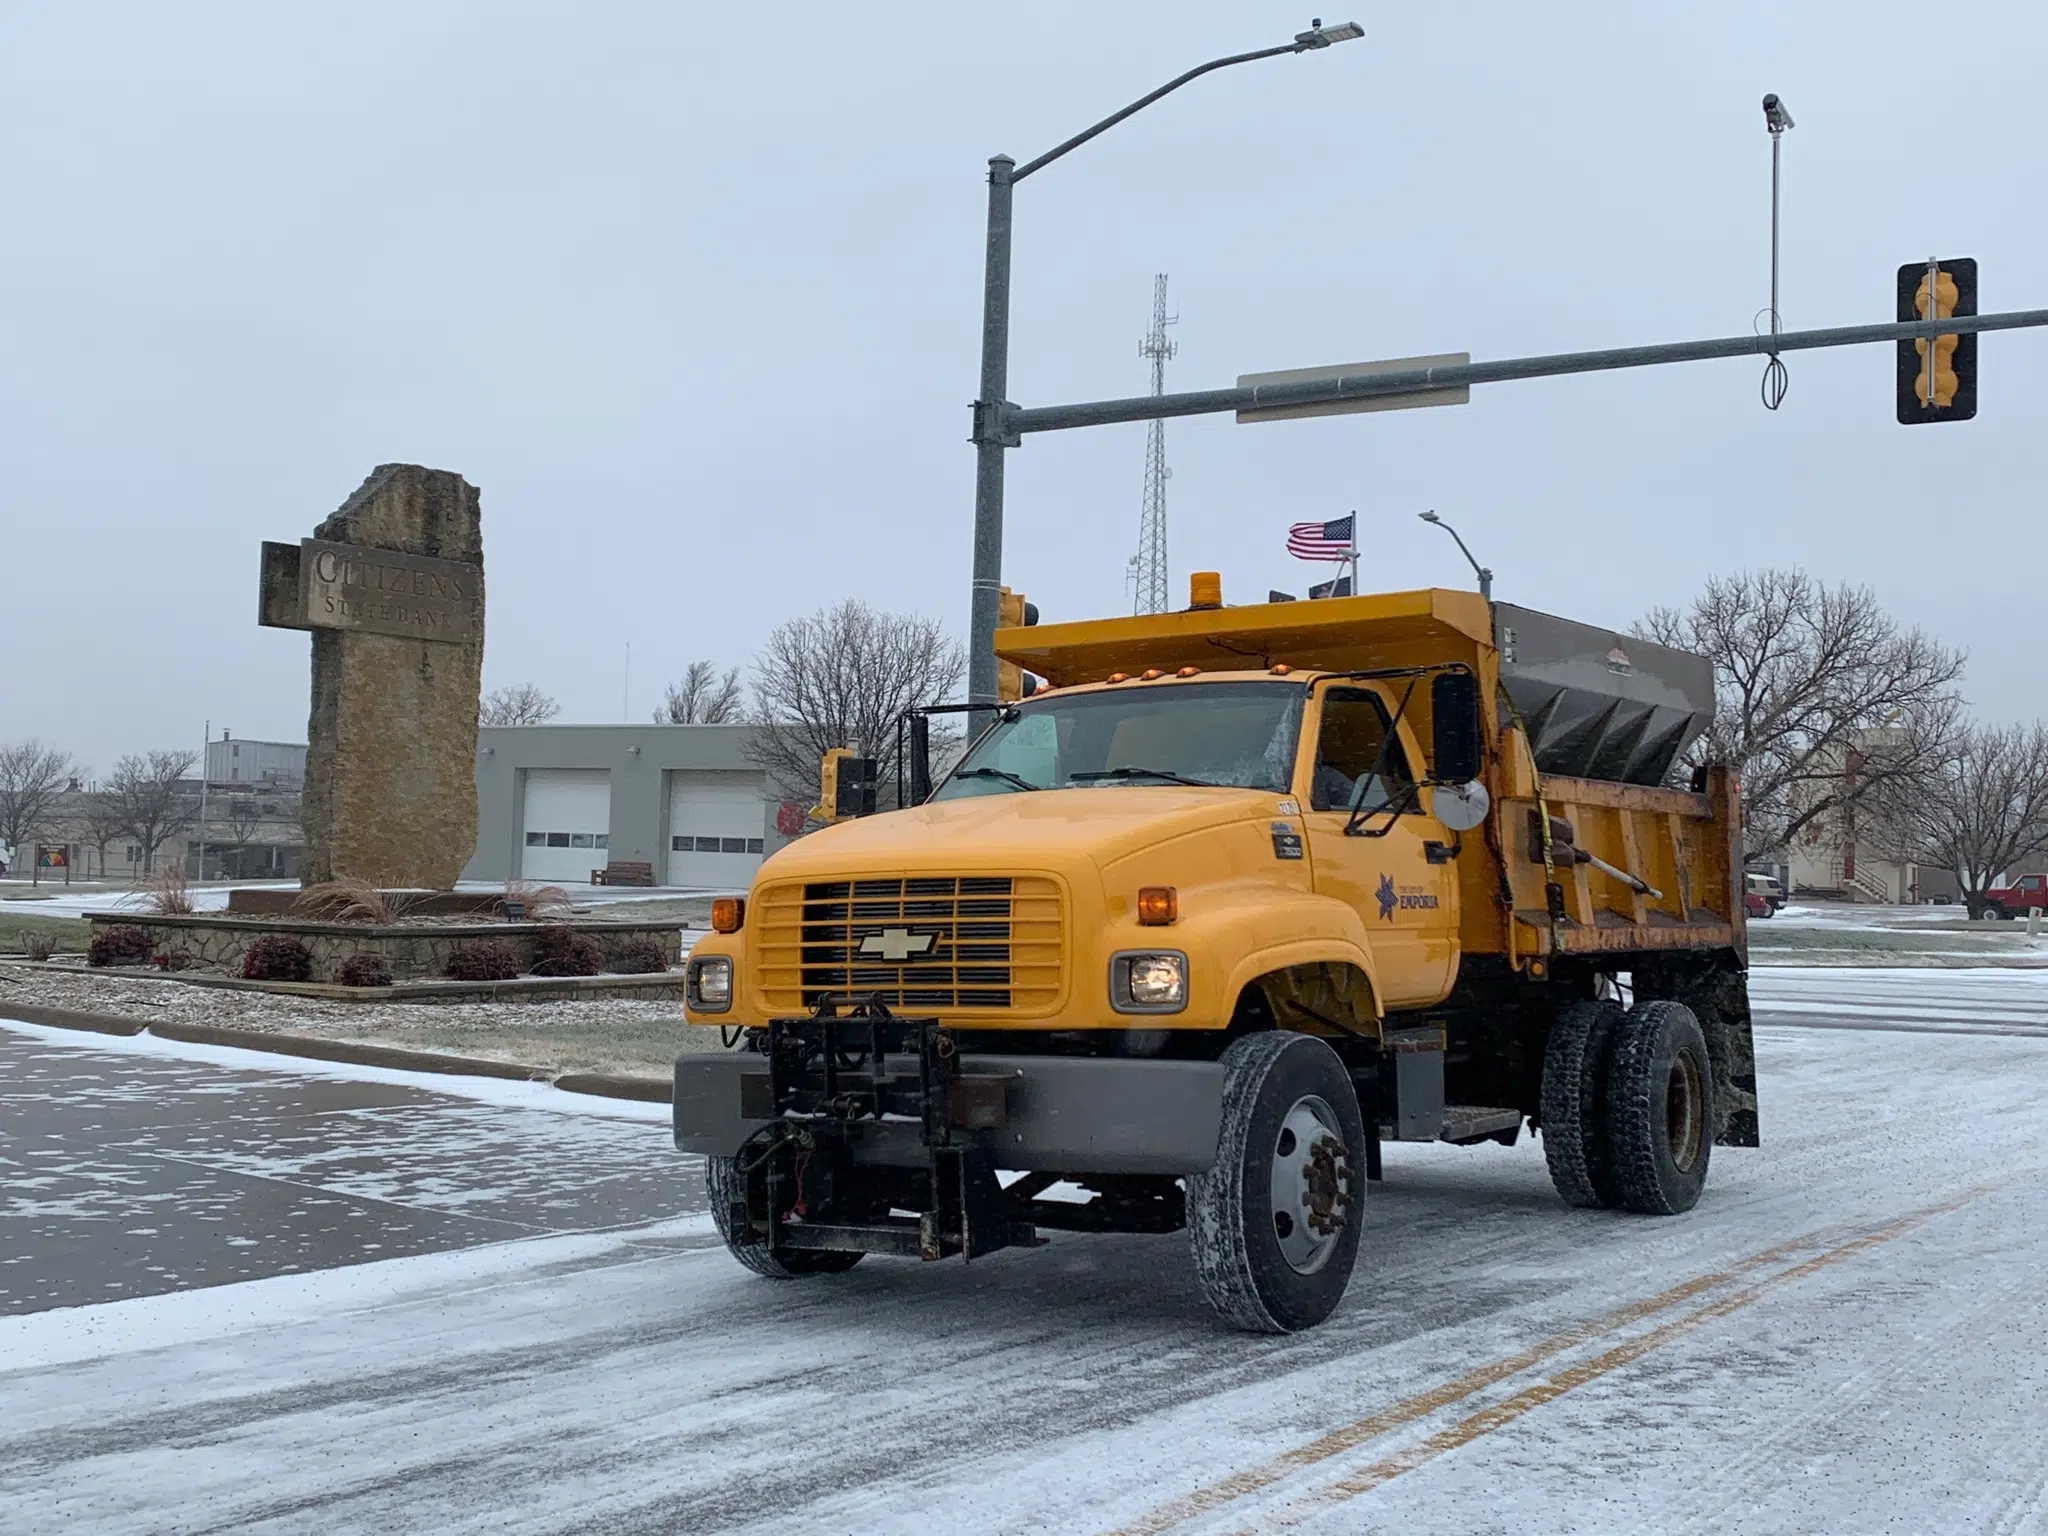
(1151, 594)
(993, 433)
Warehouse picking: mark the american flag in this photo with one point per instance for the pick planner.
(1321, 541)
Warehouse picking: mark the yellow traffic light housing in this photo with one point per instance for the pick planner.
(846, 786)
(1937, 378)
(1013, 612)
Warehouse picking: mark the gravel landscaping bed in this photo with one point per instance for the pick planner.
(640, 1037)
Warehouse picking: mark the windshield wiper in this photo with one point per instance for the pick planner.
(1148, 773)
(996, 773)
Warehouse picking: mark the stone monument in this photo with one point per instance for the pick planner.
(392, 588)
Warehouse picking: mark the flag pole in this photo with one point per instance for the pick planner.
(1354, 552)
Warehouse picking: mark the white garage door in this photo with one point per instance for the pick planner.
(715, 826)
(568, 823)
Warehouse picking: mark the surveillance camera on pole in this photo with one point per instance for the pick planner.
(1776, 121)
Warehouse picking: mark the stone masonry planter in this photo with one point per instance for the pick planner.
(412, 950)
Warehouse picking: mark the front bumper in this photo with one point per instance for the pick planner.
(1065, 1114)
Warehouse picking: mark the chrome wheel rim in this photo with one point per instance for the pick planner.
(1311, 1185)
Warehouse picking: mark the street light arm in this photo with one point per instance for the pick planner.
(1145, 101)
(1482, 572)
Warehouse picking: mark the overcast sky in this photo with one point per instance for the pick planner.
(693, 294)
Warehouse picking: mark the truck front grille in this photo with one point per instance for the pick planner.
(927, 941)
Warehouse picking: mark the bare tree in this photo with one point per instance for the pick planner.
(518, 704)
(32, 776)
(241, 820)
(97, 819)
(1983, 810)
(154, 804)
(1803, 673)
(702, 696)
(839, 678)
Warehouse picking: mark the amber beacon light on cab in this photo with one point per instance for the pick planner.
(1239, 895)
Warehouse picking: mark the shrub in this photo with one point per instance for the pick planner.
(561, 951)
(640, 956)
(118, 944)
(168, 893)
(38, 946)
(277, 957)
(346, 899)
(482, 960)
(173, 960)
(364, 970)
(537, 903)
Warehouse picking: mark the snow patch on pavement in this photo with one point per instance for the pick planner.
(503, 1092)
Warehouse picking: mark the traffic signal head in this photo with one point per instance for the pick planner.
(1937, 378)
(1013, 612)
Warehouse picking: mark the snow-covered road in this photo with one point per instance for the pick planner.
(1846, 1335)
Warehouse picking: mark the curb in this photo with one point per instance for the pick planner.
(616, 1085)
(649, 1090)
(71, 1018)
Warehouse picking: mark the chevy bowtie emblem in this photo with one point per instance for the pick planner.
(897, 945)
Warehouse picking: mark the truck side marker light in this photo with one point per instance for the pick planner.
(1150, 674)
(728, 913)
(1158, 905)
(1119, 677)
(1280, 669)
(1189, 672)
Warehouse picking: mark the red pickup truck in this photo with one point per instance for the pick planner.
(2013, 900)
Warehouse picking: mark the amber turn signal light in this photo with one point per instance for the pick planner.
(727, 913)
(1158, 905)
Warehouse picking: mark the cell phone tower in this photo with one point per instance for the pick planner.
(1149, 568)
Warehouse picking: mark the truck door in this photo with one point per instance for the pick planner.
(1395, 869)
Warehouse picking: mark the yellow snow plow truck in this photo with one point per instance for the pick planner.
(1241, 894)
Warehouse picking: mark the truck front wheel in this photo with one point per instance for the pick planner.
(722, 1183)
(1660, 1109)
(1275, 1224)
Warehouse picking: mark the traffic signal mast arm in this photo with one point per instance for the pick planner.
(1362, 386)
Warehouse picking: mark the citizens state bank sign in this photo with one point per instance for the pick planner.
(317, 585)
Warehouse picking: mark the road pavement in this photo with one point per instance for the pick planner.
(1846, 1335)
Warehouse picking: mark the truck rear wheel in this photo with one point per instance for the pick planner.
(722, 1183)
(1275, 1224)
(1575, 1068)
(1660, 1109)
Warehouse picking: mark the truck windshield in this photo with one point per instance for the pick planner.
(1240, 735)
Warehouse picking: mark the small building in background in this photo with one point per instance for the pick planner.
(275, 764)
(556, 803)
(246, 825)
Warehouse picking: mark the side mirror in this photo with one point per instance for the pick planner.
(1454, 714)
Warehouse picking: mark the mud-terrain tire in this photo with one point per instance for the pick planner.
(722, 1183)
(1660, 1109)
(1576, 1062)
(1291, 1136)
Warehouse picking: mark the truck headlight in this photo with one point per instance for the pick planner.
(1148, 981)
(707, 984)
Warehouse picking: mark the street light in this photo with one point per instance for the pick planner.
(992, 433)
(1485, 576)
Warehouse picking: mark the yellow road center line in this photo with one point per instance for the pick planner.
(1487, 1420)
(1412, 1409)
(1360, 1431)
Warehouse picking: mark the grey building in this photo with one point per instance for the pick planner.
(272, 764)
(555, 802)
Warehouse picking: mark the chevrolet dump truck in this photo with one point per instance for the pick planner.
(1242, 894)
